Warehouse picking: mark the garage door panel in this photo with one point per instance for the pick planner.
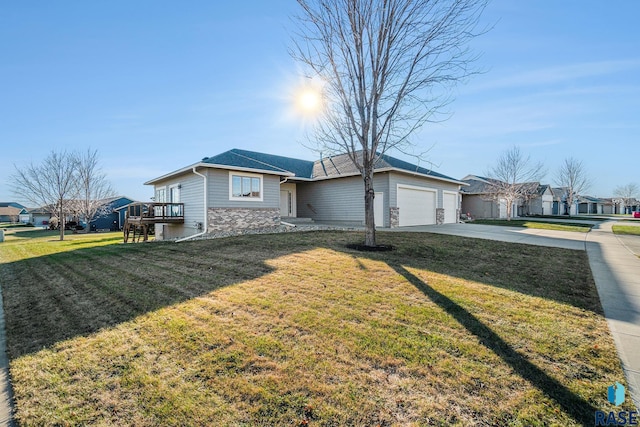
(417, 206)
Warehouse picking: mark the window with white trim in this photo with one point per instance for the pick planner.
(245, 186)
(161, 195)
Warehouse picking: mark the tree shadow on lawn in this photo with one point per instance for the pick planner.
(574, 405)
(56, 297)
(562, 275)
(52, 298)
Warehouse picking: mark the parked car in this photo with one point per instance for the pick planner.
(636, 214)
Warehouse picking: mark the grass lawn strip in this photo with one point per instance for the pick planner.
(294, 328)
(564, 226)
(633, 230)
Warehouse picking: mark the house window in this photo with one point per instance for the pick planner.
(245, 187)
(161, 195)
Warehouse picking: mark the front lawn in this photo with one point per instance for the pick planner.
(559, 226)
(626, 229)
(296, 329)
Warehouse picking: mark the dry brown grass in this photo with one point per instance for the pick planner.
(295, 329)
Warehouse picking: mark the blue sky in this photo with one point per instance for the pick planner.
(158, 85)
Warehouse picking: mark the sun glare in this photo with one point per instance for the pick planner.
(308, 98)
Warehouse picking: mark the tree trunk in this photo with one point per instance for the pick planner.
(61, 222)
(509, 208)
(369, 220)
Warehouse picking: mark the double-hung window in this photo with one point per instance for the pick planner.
(245, 186)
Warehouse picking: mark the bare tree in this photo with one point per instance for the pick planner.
(93, 187)
(512, 178)
(49, 184)
(572, 177)
(387, 67)
(627, 193)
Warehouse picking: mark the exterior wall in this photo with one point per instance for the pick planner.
(219, 191)
(223, 213)
(191, 194)
(111, 219)
(339, 199)
(399, 178)
(40, 220)
(535, 207)
(227, 219)
(479, 207)
(547, 204)
(394, 217)
(440, 187)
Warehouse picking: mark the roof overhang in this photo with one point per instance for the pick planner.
(391, 169)
(438, 178)
(215, 166)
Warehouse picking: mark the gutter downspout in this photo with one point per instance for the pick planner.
(205, 222)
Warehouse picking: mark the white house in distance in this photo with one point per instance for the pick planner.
(241, 189)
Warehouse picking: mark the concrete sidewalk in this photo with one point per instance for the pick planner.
(616, 271)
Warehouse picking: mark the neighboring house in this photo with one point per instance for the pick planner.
(542, 203)
(11, 214)
(560, 205)
(241, 189)
(41, 217)
(539, 200)
(610, 206)
(590, 205)
(479, 201)
(620, 207)
(111, 215)
(12, 204)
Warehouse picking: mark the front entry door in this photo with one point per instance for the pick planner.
(285, 203)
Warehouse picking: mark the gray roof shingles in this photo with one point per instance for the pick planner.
(328, 167)
(261, 161)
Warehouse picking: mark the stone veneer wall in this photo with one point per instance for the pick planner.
(394, 217)
(228, 219)
(439, 216)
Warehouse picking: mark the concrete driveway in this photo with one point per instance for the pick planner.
(529, 236)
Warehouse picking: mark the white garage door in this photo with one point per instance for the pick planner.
(417, 206)
(450, 206)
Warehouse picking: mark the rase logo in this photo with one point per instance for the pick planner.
(615, 395)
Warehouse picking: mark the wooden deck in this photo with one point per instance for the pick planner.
(140, 216)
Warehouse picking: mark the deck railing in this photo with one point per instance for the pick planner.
(156, 212)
